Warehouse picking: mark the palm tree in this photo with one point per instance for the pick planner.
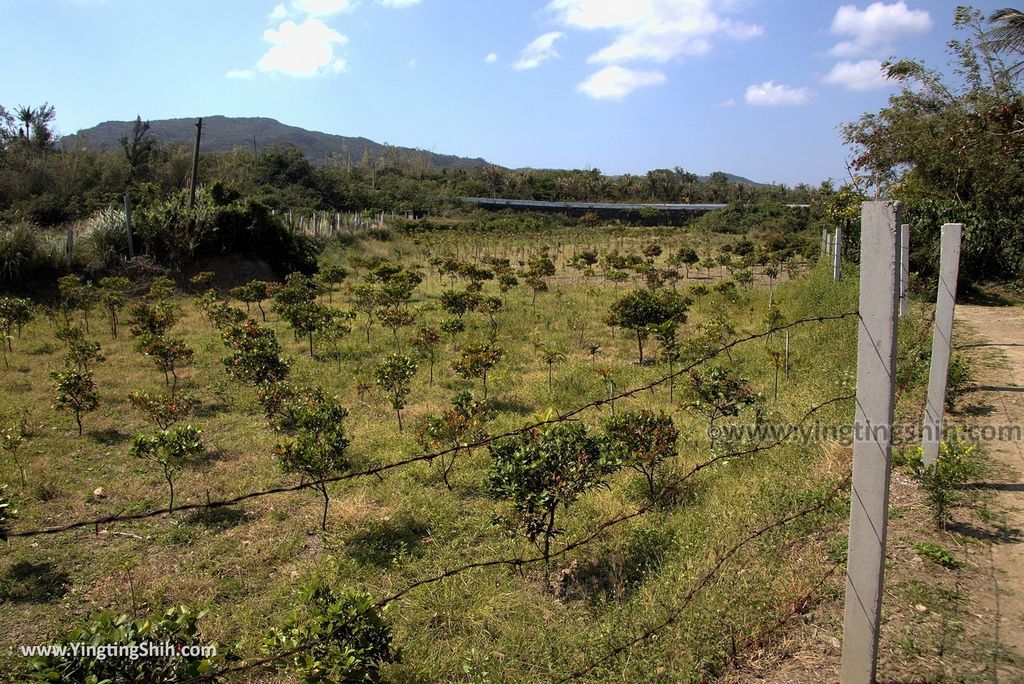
(26, 115)
(1007, 32)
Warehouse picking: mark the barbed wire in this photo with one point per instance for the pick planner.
(704, 580)
(428, 456)
(665, 493)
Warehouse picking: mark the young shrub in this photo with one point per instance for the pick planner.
(642, 311)
(161, 289)
(958, 463)
(452, 327)
(169, 449)
(350, 637)
(550, 354)
(164, 413)
(643, 441)
(393, 375)
(152, 319)
(7, 512)
(169, 355)
(319, 444)
(425, 343)
(539, 471)
(395, 317)
(113, 296)
(15, 314)
(76, 392)
(329, 276)
(459, 426)
(179, 626)
(687, 257)
(307, 319)
(491, 306)
(81, 353)
(477, 360)
(12, 438)
(365, 299)
(718, 394)
(253, 292)
(76, 295)
(255, 354)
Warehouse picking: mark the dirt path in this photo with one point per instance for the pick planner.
(999, 370)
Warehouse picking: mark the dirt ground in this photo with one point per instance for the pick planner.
(940, 624)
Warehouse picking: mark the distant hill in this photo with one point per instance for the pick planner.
(222, 134)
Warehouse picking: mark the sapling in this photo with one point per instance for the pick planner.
(477, 360)
(255, 354)
(365, 300)
(455, 429)
(452, 327)
(393, 375)
(318, 445)
(425, 343)
(170, 449)
(164, 412)
(717, 394)
(152, 319)
(168, 354)
(328, 277)
(76, 392)
(15, 313)
(12, 438)
(643, 441)
(253, 292)
(394, 317)
(550, 354)
(642, 311)
(113, 296)
(542, 470)
(81, 353)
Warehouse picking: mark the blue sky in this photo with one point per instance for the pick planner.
(753, 87)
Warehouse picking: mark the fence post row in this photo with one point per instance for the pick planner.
(872, 445)
(942, 340)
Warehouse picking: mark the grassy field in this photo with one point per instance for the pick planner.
(246, 564)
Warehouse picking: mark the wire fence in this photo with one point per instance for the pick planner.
(667, 492)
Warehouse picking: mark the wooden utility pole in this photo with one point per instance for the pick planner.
(195, 165)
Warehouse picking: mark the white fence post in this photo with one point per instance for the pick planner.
(872, 443)
(942, 341)
(837, 256)
(904, 268)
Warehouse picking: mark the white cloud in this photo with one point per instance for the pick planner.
(278, 13)
(866, 74)
(398, 3)
(770, 94)
(658, 30)
(540, 50)
(491, 58)
(306, 49)
(615, 82)
(241, 73)
(322, 8)
(726, 104)
(875, 26)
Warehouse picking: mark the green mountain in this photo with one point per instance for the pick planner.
(223, 133)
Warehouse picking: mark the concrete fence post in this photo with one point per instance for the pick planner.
(837, 256)
(942, 341)
(904, 268)
(872, 440)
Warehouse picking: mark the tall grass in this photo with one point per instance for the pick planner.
(28, 253)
